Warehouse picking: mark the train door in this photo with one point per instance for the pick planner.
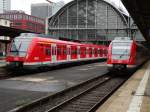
(53, 47)
(68, 53)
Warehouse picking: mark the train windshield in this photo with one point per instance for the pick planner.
(121, 50)
(19, 46)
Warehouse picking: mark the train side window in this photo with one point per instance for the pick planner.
(101, 51)
(48, 51)
(82, 50)
(86, 51)
(65, 51)
(106, 51)
(98, 51)
(58, 51)
(93, 51)
(74, 52)
(90, 52)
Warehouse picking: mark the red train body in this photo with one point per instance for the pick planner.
(38, 51)
(124, 53)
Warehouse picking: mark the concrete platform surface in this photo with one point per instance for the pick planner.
(133, 96)
(19, 90)
(11, 98)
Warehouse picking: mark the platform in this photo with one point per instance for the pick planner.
(20, 90)
(133, 96)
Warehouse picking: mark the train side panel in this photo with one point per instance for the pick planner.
(44, 51)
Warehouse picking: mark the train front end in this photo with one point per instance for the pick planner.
(121, 54)
(18, 51)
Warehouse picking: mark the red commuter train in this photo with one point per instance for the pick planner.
(29, 50)
(126, 54)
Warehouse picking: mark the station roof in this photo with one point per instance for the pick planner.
(124, 14)
(140, 12)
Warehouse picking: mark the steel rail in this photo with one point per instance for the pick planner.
(78, 95)
(90, 101)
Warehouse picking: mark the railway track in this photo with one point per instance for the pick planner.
(84, 97)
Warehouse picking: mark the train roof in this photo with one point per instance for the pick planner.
(47, 40)
(56, 41)
(67, 42)
(42, 38)
(122, 39)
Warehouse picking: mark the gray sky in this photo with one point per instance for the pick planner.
(25, 4)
